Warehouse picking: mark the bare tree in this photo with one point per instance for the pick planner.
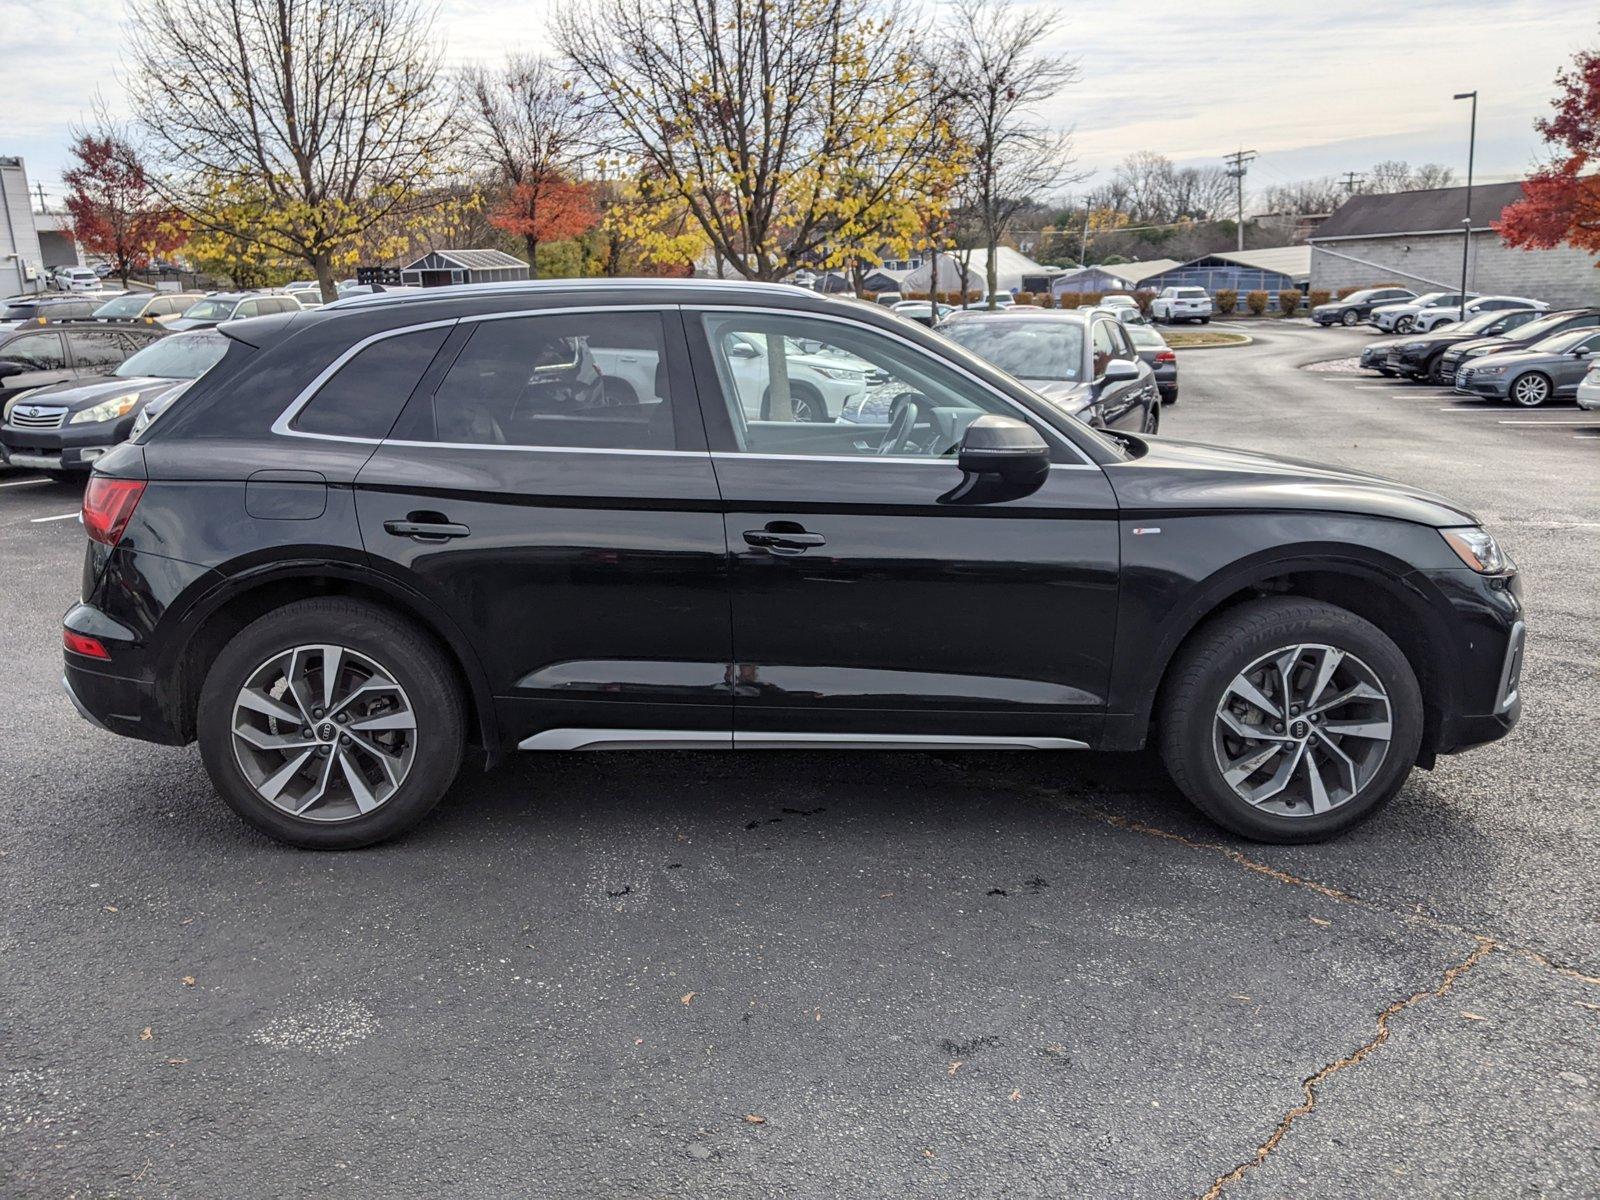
(791, 134)
(533, 125)
(1000, 76)
(1397, 175)
(329, 109)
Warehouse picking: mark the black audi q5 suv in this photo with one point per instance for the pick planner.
(409, 530)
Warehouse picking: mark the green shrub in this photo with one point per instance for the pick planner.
(1256, 302)
(1226, 301)
(1289, 300)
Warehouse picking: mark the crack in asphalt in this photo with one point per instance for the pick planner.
(1310, 1084)
(1337, 895)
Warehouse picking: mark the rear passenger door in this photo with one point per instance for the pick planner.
(548, 486)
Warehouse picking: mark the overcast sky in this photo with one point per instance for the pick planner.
(1315, 88)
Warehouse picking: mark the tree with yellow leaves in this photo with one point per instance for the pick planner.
(329, 111)
(794, 133)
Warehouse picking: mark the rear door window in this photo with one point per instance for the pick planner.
(36, 352)
(596, 380)
(365, 395)
(97, 350)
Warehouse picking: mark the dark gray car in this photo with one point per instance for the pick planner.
(1153, 349)
(1543, 371)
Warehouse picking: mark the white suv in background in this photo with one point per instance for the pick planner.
(77, 279)
(1182, 304)
(1402, 318)
(1445, 314)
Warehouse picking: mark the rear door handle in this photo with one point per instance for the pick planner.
(426, 527)
(783, 541)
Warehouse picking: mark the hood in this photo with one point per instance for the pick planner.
(78, 394)
(1173, 476)
(1071, 398)
(183, 323)
(1511, 356)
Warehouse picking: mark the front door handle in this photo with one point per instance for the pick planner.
(783, 538)
(426, 527)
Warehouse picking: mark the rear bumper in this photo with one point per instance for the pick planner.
(118, 705)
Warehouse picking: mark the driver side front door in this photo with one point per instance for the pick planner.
(869, 609)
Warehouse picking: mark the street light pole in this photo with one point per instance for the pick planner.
(1466, 224)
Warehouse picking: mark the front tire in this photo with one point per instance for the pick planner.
(331, 724)
(1404, 325)
(1288, 720)
(1351, 318)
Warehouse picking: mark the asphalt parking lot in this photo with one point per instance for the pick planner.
(835, 975)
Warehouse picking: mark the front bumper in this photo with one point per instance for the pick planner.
(1493, 387)
(64, 449)
(1589, 397)
(1486, 633)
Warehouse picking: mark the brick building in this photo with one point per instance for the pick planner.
(1415, 239)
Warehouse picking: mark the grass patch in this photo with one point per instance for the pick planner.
(1188, 339)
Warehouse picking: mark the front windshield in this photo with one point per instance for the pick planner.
(1051, 350)
(1543, 327)
(1560, 343)
(123, 306)
(209, 310)
(186, 356)
(1476, 324)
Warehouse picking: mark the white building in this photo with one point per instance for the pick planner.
(21, 258)
(969, 269)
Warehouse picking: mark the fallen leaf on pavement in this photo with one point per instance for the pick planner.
(111, 908)
(176, 1062)
(754, 1119)
(954, 1067)
(146, 1034)
(188, 981)
(1320, 921)
(1016, 1095)
(1472, 1016)
(688, 997)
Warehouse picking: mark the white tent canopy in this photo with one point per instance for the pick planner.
(1011, 265)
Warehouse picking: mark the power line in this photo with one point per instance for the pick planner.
(1353, 181)
(1238, 163)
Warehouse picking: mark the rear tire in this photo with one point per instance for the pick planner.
(373, 643)
(1199, 711)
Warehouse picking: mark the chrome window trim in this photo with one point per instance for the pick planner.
(282, 425)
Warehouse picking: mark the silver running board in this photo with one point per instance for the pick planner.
(699, 739)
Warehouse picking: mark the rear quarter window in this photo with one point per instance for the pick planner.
(365, 395)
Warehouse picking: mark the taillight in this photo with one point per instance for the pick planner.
(1166, 356)
(107, 506)
(82, 644)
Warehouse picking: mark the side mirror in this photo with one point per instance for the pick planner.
(1120, 370)
(742, 350)
(1001, 458)
(9, 367)
(1580, 352)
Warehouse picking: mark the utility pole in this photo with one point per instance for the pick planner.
(1466, 222)
(1352, 181)
(1238, 163)
(39, 187)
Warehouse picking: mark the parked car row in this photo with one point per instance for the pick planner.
(1524, 356)
(1400, 310)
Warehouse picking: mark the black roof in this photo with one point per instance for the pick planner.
(1433, 210)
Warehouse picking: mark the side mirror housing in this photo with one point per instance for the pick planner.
(1120, 370)
(9, 367)
(743, 350)
(1001, 458)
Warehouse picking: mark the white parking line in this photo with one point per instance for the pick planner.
(62, 517)
(1547, 422)
(1586, 437)
(24, 482)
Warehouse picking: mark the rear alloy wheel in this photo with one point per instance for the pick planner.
(1351, 317)
(331, 724)
(1530, 390)
(1290, 720)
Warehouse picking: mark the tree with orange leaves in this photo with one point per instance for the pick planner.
(1561, 202)
(545, 208)
(115, 208)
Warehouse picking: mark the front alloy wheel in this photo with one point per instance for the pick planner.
(324, 733)
(1530, 391)
(1302, 730)
(1351, 317)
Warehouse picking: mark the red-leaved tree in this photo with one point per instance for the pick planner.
(1561, 202)
(116, 211)
(545, 208)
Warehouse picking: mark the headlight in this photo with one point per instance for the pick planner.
(106, 410)
(1475, 352)
(1478, 549)
(1480, 372)
(1415, 346)
(837, 373)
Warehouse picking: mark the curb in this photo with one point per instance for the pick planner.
(1248, 341)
